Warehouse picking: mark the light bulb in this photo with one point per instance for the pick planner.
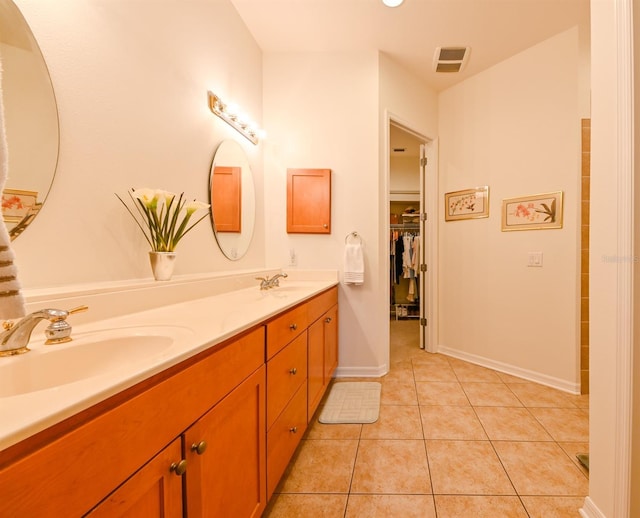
(392, 3)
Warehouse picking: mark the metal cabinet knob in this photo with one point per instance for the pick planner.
(179, 468)
(328, 320)
(325, 225)
(293, 429)
(293, 371)
(293, 327)
(199, 448)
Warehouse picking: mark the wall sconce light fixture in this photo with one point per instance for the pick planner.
(233, 118)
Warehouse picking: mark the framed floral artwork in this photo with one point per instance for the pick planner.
(467, 204)
(542, 211)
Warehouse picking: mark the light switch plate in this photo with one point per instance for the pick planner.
(535, 259)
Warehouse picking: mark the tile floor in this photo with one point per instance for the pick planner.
(453, 440)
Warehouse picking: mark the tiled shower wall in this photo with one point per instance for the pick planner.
(584, 306)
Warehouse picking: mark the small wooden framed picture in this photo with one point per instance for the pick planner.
(467, 204)
(538, 212)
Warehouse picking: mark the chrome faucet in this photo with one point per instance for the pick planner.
(266, 283)
(15, 337)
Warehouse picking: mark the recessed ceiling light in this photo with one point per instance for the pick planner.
(392, 3)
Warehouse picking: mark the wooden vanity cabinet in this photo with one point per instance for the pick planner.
(322, 347)
(301, 361)
(71, 467)
(209, 437)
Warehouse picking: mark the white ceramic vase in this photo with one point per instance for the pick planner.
(162, 264)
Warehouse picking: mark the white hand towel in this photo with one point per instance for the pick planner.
(11, 301)
(353, 264)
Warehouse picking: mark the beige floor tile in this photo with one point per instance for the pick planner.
(433, 372)
(400, 369)
(552, 507)
(572, 449)
(391, 466)
(431, 359)
(296, 506)
(511, 424)
(390, 506)
(318, 430)
(320, 466)
(490, 394)
(441, 393)
(534, 395)
(466, 467)
(395, 422)
(468, 372)
(479, 507)
(398, 392)
(564, 424)
(541, 468)
(451, 422)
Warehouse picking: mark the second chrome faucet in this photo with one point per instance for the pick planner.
(268, 283)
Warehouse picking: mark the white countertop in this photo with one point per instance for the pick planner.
(197, 325)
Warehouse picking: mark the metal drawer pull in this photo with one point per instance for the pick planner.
(179, 468)
(328, 320)
(293, 327)
(293, 371)
(294, 429)
(199, 448)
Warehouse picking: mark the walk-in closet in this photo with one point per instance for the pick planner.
(405, 240)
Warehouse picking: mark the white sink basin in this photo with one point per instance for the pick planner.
(89, 354)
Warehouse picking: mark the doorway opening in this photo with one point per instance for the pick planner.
(412, 239)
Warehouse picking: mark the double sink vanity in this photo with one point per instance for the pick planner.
(183, 399)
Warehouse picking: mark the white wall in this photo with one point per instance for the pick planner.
(515, 128)
(321, 110)
(131, 81)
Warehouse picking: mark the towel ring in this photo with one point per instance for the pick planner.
(354, 235)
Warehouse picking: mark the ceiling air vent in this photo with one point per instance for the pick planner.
(450, 59)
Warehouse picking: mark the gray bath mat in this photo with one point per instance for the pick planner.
(352, 402)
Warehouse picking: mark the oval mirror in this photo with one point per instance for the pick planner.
(232, 196)
(30, 121)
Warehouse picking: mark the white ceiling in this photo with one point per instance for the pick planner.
(494, 29)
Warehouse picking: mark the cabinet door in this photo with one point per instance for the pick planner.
(315, 370)
(153, 491)
(309, 201)
(330, 321)
(226, 455)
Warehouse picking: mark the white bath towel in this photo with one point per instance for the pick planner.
(353, 264)
(11, 300)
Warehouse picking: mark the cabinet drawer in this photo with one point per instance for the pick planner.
(283, 329)
(284, 436)
(286, 371)
(321, 303)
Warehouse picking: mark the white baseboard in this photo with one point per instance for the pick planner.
(537, 377)
(590, 510)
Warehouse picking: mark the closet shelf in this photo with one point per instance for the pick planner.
(405, 226)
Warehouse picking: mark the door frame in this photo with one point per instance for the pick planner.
(429, 204)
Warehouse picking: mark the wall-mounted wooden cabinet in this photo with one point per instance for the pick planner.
(309, 201)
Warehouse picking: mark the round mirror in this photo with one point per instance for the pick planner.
(30, 121)
(232, 195)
